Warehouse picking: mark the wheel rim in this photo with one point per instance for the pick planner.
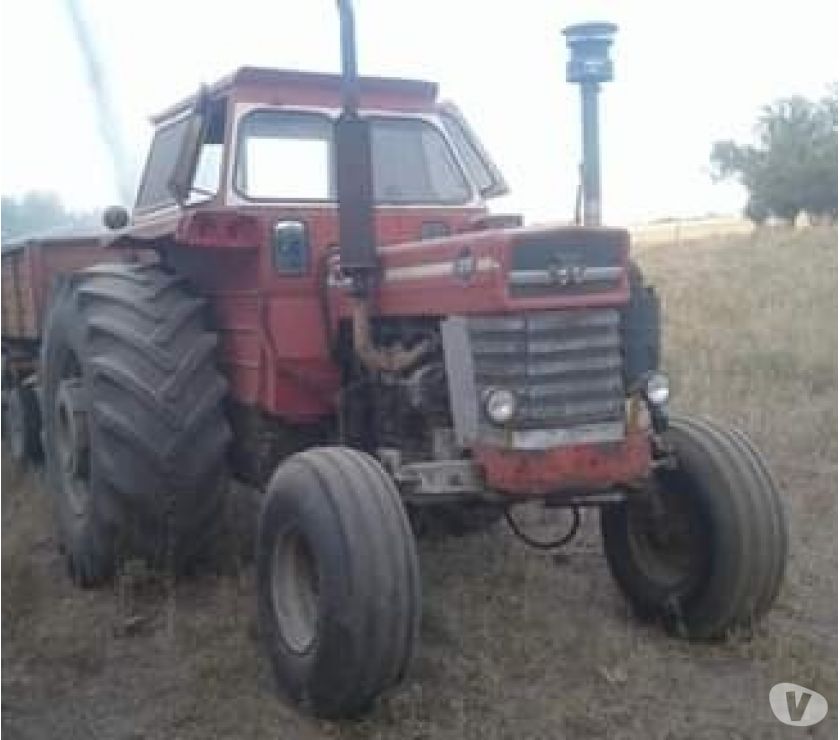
(72, 444)
(663, 539)
(17, 428)
(294, 591)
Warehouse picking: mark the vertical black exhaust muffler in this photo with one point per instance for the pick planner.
(354, 169)
(356, 225)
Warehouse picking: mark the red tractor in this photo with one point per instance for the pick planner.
(311, 296)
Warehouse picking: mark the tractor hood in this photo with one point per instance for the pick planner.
(496, 271)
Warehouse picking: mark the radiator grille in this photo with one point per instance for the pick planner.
(564, 366)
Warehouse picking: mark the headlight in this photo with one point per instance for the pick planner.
(500, 405)
(657, 389)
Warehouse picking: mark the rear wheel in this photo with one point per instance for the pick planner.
(23, 425)
(338, 583)
(134, 430)
(706, 548)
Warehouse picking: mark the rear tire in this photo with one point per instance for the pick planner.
(711, 559)
(23, 425)
(134, 430)
(338, 584)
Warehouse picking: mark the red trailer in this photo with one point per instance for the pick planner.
(29, 270)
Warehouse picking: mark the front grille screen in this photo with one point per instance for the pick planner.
(563, 366)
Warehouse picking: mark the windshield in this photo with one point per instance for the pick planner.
(286, 155)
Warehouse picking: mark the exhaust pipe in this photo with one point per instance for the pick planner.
(356, 226)
(588, 66)
(354, 169)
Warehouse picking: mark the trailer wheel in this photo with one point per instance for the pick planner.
(706, 549)
(338, 584)
(134, 430)
(23, 421)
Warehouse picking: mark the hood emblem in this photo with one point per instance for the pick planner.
(563, 272)
(465, 265)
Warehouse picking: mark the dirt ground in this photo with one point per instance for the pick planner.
(514, 643)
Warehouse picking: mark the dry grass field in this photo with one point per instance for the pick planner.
(515, 643)
(676, 231)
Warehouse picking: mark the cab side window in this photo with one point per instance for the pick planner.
(154, 188)
(208, 171)
(154, 192)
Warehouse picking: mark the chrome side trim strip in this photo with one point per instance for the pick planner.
(561, 276)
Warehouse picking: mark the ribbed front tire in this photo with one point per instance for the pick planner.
(707, 550)
(338, 583)
(134, 430)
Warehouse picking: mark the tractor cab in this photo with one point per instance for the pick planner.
(264, 139)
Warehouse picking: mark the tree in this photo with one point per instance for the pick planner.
(793, 167)
(39, 212)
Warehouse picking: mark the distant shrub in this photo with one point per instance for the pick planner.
(793, 168)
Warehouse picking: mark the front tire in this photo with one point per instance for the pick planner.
(338, 583)
(706, 549)
(134, 429)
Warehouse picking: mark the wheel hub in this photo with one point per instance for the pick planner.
(73, 441)
(662, 538)
(17, 426)
(294, 591)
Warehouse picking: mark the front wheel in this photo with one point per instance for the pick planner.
(706, 547)
(338, 584)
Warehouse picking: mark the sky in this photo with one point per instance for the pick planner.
(686, 74)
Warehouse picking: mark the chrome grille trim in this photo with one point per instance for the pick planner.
(524, 369)
(552, 276)
(544, 321)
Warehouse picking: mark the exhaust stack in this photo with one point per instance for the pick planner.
(588, 66)
(354, 169)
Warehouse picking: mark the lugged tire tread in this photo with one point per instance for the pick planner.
(202, 352)
(157, 397)
(188, 311)
(139, 342)
(114, 294)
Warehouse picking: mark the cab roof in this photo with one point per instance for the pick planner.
(294, 87)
